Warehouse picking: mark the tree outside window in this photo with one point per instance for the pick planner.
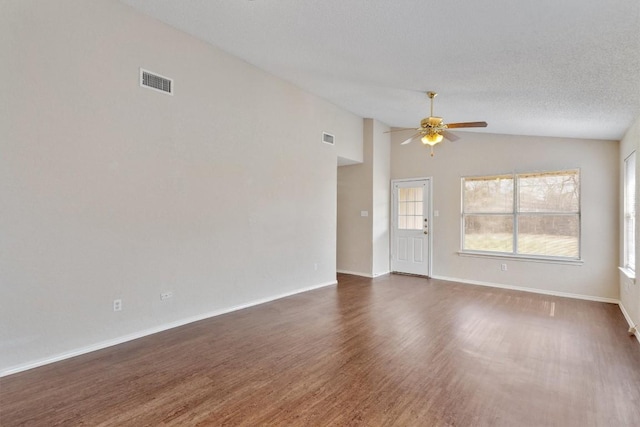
(530, 214)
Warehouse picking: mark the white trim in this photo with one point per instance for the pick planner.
(383, 273)
(357, 273)
(532, 290)
(628, 319)
(369, 275)
(631, 275)
(517, 257)
(133, 336)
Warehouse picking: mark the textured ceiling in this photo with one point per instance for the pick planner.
(568, 68)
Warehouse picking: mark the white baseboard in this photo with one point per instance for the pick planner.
(532, 290)
(629, 320)
(130, 337)
(369, 275)
(381, 273)
(355, 273)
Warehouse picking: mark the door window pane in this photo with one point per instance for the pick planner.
(410, 206)
(402, 222)
(418, 209)
(411, 223)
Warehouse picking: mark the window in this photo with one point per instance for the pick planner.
(529, 214)
(410, 208)
(630, 212)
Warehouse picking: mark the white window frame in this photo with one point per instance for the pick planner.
(629, 215)
(516, 214)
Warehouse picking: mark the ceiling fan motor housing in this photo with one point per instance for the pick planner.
(434, 123)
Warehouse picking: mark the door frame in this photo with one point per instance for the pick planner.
(392, 220)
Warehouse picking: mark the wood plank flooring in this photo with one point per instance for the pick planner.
(392, 351)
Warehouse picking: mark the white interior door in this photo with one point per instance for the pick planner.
(411, 218)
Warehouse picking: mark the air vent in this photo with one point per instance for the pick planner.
(156, 82)
(327, 138)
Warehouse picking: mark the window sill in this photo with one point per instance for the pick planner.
(629, 273)
(545, 260)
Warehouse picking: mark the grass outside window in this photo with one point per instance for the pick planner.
(535, 214)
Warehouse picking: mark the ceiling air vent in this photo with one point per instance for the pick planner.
(327, 138)
(156, 82)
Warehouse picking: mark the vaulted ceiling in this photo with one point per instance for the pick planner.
(567, 68)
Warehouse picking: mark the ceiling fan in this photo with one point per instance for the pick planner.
(433, 130)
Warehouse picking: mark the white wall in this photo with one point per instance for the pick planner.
(629, 289)
(484, 154)
(349, 151)
(363, 241)
(381, 187)
(355, 232)
(222, 194)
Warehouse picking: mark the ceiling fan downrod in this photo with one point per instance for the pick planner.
(431, 96)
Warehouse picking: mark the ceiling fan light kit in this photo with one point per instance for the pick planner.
(432, 139)
(432, 129)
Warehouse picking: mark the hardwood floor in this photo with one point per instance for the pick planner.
(392, 351)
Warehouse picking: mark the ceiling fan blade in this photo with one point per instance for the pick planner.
(450, 136)
(405, 142)
(467, 125)
(399, 130)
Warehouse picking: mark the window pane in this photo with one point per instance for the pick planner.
(630, 243)
(488, 194)
(403, 194)
(411, 208)
(402, 222)
(488, 233)
(630, 183)
(549, 192)
(418, 210)
(409, 222)
(418, 194)
(414, 226)
(630, 212)
(402, 208)
(549, 235)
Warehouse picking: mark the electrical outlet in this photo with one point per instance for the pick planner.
(166, 295)
(117, 305)
(503, 267)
